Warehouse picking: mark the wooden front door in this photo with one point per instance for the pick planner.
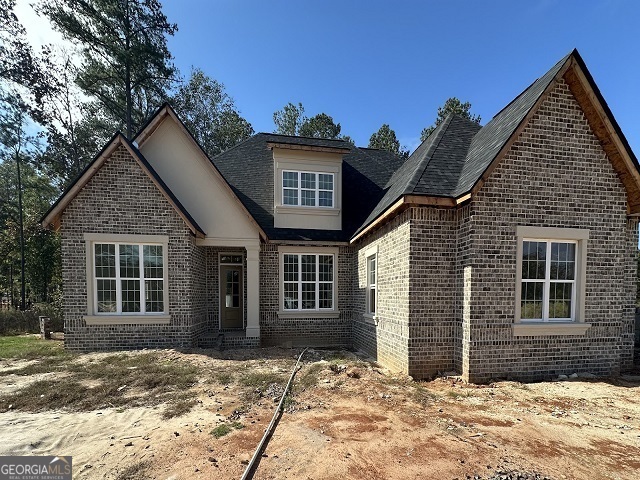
(231, 310)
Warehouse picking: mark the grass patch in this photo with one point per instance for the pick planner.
(226, 428)
(261, 379)
(114, 381)
(179, 408)
(146, 371)
(31, 347)
(223, 378)
(66, 392)
(423, 396)
(459, 395)
(134, 472)
(310, 376)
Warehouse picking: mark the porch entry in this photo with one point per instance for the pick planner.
(231, 291)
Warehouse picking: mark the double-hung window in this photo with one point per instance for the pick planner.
(308, 281)
(550, 290)
(129, 278)
(307, 189)
(548, 285)
(372, 280)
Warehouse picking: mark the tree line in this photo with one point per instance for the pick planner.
(59, 106)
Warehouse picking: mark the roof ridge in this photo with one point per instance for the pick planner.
(304, 136)
(564, 59)
(161, 183)
(424, 163)
(230, 148)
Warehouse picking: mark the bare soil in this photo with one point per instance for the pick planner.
(347, 419)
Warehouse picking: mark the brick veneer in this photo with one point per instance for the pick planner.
(446, 277)
(555, 175)
(303, 330)
(122, 199)
(388, 341)
(452, 305)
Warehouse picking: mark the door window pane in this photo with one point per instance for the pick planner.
(232, 296)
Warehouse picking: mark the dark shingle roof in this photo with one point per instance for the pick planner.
(248, 168)
(457, 153)
(493, 136)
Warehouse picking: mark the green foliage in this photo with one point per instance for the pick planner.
(19, 64)
(385, 139)
(25, 194)
(289, 120)
(126, 63)
(210, 113)
(16, 322)
(320, 126)
(452, 105)
(226, 428)
(75, 128)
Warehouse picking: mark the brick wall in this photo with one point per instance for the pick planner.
(555, 175)
(388, 341)
(433, 291)
(452, 306)
(121, 199)
(301, 330)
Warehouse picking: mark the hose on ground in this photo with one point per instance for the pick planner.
(249, 471)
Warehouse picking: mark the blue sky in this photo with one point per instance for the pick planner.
(371, 62)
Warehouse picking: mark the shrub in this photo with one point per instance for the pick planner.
(16, 322)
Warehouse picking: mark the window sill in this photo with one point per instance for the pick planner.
(540, 329)
(127, 319)
(309, 314)
(370, 318)
(308, 210)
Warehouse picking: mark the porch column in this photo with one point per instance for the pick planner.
(253, 291)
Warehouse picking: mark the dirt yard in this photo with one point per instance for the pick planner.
(347, 419)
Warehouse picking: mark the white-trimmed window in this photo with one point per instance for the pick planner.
(548, 285)
(129, 278)
(550, 288)
(372, 281)
(307, 189)
(308, 281)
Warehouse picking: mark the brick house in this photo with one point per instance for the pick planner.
(506, 250)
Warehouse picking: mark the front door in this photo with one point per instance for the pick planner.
(231, 311)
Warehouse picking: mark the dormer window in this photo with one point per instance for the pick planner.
(307, 189)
